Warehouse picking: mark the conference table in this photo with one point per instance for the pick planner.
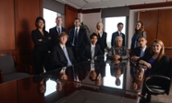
(86, 82)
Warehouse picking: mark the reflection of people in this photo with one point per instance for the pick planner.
(63, 75)
(41, 87)
(41, 40)
(137, 79)
(101, 36)
(61, 54)
(55, 31)
(92, 51)
(139, 32)
(118, 52)
(118, 33)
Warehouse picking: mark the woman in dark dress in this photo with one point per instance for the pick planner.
(102, 35)
(41, 40)
(139, 32)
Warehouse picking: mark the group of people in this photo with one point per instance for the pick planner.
(60, 48)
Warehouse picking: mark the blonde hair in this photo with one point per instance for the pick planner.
(96, 31)
(162, 51)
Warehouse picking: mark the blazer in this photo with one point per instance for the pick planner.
(59, 58)
(158, 67)
(102, 41)
(114, 35)
(55, 34)
(82, 40)
(44, 45)
(137, 51)
(86, 54)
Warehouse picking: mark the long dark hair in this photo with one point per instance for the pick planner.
(141, 29)
(37, 20)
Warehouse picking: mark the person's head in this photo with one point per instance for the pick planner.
(158, 48)
(117, 81)
(99, 26)
(59, 86)
(139, 25)
(77, 22)
(59, 21)
(120, 26)
(117, 72)
(40, 23)
(118, 41)
(93, 38)
(41, 87)
(63, 37)
(142, 42)
(93, 75)
(63, 76)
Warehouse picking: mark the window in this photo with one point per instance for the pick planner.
(111, 26)
(49, 17)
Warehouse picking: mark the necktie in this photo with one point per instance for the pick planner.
(67, 57)
(120, 34)
(141, 53)
(59, 30)
(75, 37)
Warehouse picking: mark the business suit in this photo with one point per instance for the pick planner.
(82, 41)
(40, 51)
(86, 54)
(114, 35)
(55, 34)
(59, 58)
(102, 41)
(137, 51)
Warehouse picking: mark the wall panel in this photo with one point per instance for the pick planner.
(7, 30)
(149, 19)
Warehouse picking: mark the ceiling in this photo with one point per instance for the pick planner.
(93, 4)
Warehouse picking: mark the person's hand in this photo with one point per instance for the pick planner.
(40, 40)
(134, 58)
(116, 57)
(148, 65)
(49, 38)
(95, 58)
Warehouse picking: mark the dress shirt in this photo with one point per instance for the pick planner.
(120, 33)
(69, 63)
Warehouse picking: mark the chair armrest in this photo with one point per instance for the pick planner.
(157, 88)
(1, 78)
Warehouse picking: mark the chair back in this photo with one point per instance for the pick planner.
(7, 63)
(169, 74)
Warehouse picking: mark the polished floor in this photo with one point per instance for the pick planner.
(163, 98)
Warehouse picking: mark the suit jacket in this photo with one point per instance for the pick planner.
(102, 41)
(82, 40)
(55, 34)
(59, 58)
(137, 51)
(86, 54)
(158, 67)
(44, 45)
(114, 35)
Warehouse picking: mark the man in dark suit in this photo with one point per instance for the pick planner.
(92, 51)
(118, 33)
(61, 54)
(77, 39)
(55, 31)
(140, 51)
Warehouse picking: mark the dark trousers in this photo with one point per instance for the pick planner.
(40, 59)
(77, 53)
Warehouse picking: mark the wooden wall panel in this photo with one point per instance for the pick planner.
(7, 30)
(150, 19)
(26, 11)
(70, 15)
(165, 27)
